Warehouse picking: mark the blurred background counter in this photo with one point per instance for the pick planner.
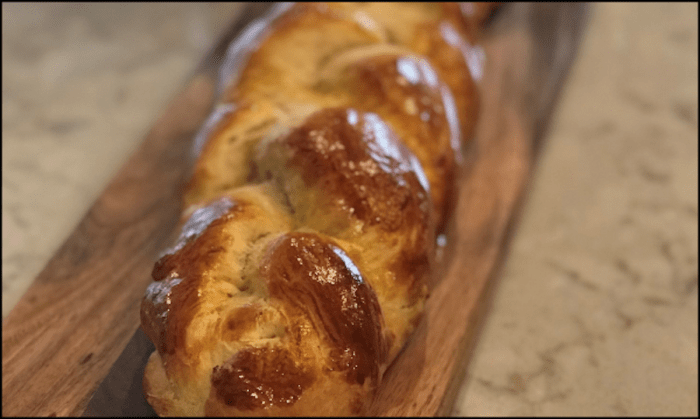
(596, 310)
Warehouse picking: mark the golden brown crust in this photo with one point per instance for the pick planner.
(316, 277)
(406, 93)
(458, 64)
(178, 274)
(358, 163)
(322, 181)
(279, 70)
(347, 175)
(441, 33)
(256, 377)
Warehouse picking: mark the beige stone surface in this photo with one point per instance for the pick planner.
(596, 311)
(81, 86)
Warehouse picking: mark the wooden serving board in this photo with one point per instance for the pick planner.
(63, 336)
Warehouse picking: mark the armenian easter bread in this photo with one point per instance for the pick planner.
(310, 221)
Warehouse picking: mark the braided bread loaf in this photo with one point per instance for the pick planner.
(311, 218)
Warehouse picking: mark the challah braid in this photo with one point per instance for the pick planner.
(312, 214)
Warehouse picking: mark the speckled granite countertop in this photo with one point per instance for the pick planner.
(596, 312)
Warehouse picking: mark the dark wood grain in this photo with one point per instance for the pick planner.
(72, 324)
